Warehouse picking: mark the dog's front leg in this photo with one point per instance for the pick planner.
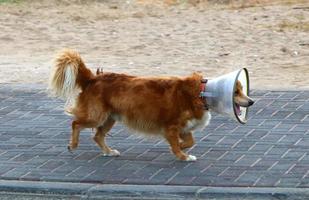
(172, 135)
(187, 140)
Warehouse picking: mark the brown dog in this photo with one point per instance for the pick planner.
(170, 106)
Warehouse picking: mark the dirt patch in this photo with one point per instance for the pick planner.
(159, 39)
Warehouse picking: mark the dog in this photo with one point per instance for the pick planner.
(170, 107)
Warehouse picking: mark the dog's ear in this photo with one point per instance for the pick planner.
(238, 85)
(99, 71)
(192, 83)
(197, 73)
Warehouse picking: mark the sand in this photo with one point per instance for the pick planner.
(152, 40)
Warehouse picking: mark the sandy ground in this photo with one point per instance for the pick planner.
(150, 39)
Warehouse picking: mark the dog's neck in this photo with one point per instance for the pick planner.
(203, 92)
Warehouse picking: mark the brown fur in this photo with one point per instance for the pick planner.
(240, 98)
(151, 105)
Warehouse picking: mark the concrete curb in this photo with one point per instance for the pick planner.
(41, 187)
(115, 191)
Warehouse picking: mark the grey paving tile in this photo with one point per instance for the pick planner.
(249, 178)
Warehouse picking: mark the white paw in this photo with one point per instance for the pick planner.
(113, 152)
(191, 158)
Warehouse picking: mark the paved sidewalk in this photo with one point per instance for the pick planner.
(271, 150)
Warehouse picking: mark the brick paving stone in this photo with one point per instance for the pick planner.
(231, 172)
(281, 167)
(278, 150)
(14, 174)
(288, 182)
(163, 176)
(265, 164)
(230, 156)
(23, 157)
(301, 127)
(4, 169)
(164, 157)
(271, 150)
(244, 145)
(51, 165)
(181, 178)
(298, 116)
(293, 155)
(266, 181)
(214, 170)
(291, 139)
(269, 124)
(304, 160)
(87, 155)
(257, 134)
(65, 169)
(204, 180)
(7, 155)
(289, 95)
(248, 178)
(247, 160)
(147, 171)
(278, 103)
(228, 141)
(260, 147)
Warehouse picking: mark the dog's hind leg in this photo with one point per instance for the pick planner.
(77, 126)
(187, 140)
(172, 135)
(99, 138)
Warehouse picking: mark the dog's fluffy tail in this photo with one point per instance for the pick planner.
(69, 75)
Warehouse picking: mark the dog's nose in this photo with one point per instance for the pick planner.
(251, 102)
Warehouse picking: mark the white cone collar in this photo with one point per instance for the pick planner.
(220, 94)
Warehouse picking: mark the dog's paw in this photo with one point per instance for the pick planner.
(113, 152)
(191, 158)
(71, 148)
